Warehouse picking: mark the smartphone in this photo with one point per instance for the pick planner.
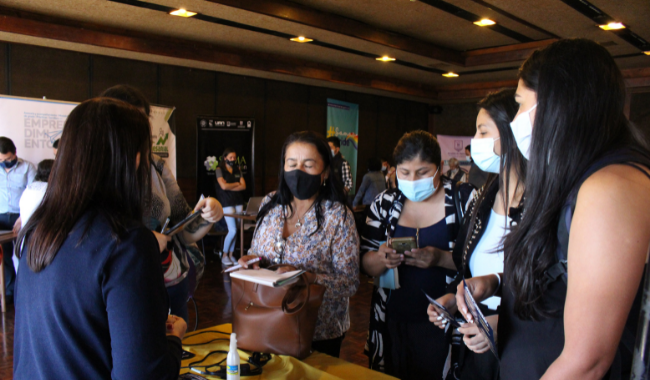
(403, 244)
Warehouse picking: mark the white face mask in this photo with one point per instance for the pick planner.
(333, 153)
(484, 156)
(522, 129)
(418, 191)
(468, 158)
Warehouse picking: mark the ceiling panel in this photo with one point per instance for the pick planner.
(415, 19)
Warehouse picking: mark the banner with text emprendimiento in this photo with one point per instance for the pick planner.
(343, 122)
(34, 124)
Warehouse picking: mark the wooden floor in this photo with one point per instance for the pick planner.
(213, 303)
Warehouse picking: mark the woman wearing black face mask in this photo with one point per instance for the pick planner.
(229, 184)
(306, 223)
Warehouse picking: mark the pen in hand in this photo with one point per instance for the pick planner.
(238, 266)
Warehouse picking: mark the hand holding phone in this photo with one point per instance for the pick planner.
(403, 244)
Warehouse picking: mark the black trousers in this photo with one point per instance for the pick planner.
(7, 222)
(417, 350)
(331, 347)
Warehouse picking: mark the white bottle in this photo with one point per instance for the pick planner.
(232, 362)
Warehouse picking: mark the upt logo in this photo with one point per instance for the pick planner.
(346, 138)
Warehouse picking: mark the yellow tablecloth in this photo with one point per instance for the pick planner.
(316, 367)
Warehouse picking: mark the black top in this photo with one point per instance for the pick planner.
(528, 348)
(228, 198)
(98, 311)
(408, 304)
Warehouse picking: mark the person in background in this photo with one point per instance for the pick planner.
(455, 172)
(230, 184)
(167, 201)
(401, 341)
(479, 247)
(307, 223)
(389, 173)
(33, 196)
(15, 175)
(90, 300)
(573, 279)
(373, 183)
(340, 166)
(476, 176)
(55, 146)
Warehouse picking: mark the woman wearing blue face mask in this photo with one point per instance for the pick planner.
(426, 206)
(479, 247)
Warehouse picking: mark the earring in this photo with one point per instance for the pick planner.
(324, 183)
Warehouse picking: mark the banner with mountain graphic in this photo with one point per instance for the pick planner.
(343, 122)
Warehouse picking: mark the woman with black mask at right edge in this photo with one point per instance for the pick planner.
(574, 265)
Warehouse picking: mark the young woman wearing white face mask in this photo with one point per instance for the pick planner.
(402, 342)
(571, 287)
(479, 247)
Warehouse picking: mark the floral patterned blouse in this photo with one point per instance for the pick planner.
(332, 254)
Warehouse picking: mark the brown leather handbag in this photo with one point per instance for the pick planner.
(276, 320)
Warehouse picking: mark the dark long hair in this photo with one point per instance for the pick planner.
(502, 108)
(331, 191)
(94, 171)
(579, 118)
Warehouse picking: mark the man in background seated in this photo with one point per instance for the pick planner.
(15, 175)
(476, 177)
(455, 172)
(340, 165)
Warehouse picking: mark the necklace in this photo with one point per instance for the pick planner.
(299, 224)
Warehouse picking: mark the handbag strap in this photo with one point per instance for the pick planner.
(286, 301)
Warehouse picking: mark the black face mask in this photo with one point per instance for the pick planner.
(232, 163)
(302, 185)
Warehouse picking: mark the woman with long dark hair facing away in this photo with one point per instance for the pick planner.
(90, 298)
(425, 209)
(307, 223)
(167, 201)
(574, 265)
(229, 184)
(479, 248)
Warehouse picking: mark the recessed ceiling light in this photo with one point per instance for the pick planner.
(182, 13)
(612, 26)
(485, 22)
(385, 59)
(450, 74)
(301, 39)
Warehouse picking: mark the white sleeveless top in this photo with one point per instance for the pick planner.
(487, 257)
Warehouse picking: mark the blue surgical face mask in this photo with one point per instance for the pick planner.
(484, 156)
(419, 190)
(9, 164)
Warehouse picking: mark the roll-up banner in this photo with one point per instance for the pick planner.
(214, 135)
(34, 124)
(454, 147)
(343, 122)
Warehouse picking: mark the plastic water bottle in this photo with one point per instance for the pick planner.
(232, 362)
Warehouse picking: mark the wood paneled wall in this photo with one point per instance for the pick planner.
(279, 108)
